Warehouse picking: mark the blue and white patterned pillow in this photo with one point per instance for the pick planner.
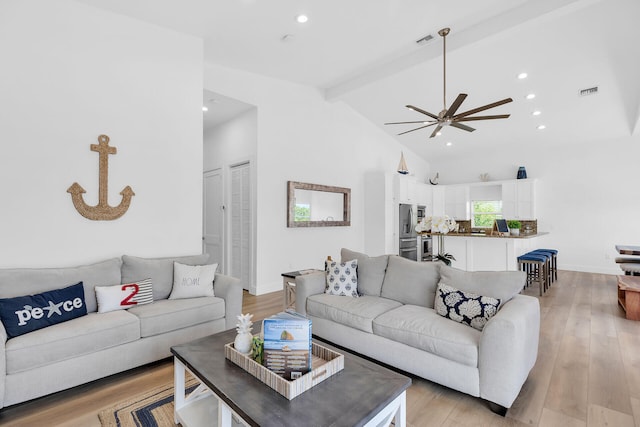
(465, 307)
(342, 278)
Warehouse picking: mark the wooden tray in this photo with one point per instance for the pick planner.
(325, 362)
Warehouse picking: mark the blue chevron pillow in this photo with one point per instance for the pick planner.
(28, 313)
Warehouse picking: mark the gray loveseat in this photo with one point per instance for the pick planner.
(394, 322)
(96, 345)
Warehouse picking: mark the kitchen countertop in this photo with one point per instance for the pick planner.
(488, 235)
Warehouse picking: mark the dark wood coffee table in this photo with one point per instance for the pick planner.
(362, 394)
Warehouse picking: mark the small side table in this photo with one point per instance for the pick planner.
(289, 286)
(629, 296)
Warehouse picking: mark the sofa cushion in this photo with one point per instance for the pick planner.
(357, 313)
(370, 271)
(77, 337)
(465, 307)
(169, 315)
(122, 297)
(411, 282)
(342, 278)
(24, 281)
(192, 281)
(160, 270)
(24, 314)
(422, 328)
(502, 285)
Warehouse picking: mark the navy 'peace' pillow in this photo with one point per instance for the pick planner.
(30, 312)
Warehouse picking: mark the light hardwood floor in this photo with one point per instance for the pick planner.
(587, 373)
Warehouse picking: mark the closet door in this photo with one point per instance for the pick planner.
(240, 219)
(213, 225)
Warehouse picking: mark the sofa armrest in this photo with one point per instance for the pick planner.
(307, 285)
(508, 349)
(3, 362)
(230, 289)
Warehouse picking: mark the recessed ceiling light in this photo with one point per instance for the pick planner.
(449, 144)
(438, 133)
(536, 113)
(204, 108)
(540, 127)
(302, 19)
(531, 96)
(522, 76)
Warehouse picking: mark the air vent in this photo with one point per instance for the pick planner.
(589, 91)
(425, 39)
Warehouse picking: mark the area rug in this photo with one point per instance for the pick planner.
(152, 409)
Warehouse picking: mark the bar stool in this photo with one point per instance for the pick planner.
(535, 265)
(547, 266)
(552, 267)
(554, 262)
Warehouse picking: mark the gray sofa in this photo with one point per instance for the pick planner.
(96, 345)
(394, 322)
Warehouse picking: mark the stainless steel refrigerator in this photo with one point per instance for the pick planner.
(408, 244)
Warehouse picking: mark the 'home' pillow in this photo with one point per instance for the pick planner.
(31, 312)
(465, 307)
(121, 297)
(342, 278)
(192, 281)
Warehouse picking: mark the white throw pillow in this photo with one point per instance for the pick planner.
(192, 281)
(121, 297)
(342, 278)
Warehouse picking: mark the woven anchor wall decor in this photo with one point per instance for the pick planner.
(102, 211)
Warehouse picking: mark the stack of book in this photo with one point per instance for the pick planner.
(287, 344)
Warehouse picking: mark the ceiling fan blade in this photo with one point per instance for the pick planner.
(468, 119)
(461, 126)
(456, 104)
(485, 107)
(406, 123)
(420, 110)
(436, 130)
(421, 127)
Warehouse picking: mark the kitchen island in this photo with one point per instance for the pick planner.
(484, 252)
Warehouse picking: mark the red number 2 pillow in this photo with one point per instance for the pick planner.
(121, 297)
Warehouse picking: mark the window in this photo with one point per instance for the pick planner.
(302, 212)
(485, 212)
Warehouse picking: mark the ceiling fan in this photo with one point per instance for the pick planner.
(448, 116)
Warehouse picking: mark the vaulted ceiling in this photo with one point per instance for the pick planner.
(364, 53)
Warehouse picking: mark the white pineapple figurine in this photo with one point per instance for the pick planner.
(244, 338)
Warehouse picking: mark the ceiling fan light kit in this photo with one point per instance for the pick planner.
(448, 116)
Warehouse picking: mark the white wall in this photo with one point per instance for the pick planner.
(232, 141)
(302, 137)
(70, 73)
(228, 144)
(588, 196)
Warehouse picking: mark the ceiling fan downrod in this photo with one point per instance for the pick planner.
(444, 33)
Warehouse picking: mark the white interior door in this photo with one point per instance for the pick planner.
(240, 222)
(213, 224)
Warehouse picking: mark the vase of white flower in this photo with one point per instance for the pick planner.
(439, 225)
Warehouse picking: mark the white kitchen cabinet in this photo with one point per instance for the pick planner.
(437, 193)
(456, 202)
(425, 197)
(518, 199)
(381, 214)
(405, 189)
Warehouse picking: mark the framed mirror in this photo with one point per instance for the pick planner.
(313, 205)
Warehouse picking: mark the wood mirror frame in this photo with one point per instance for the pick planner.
(292, 186)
